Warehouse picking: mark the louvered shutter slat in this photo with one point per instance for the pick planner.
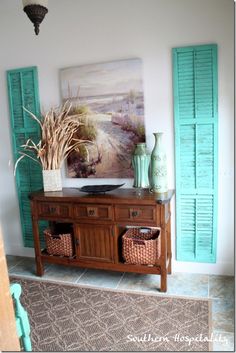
(195, 111)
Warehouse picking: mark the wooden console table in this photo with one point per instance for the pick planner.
(98, 222)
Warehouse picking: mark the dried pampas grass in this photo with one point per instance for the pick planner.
(58, 128)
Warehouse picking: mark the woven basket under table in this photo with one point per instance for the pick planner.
(141, 246)
(60, 244)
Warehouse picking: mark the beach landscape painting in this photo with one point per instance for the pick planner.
(111, 97)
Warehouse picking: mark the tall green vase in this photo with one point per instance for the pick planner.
(140, 163)
(158, 167)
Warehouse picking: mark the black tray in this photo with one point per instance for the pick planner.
(99, 189)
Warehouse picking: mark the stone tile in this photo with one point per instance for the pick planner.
(224, 342)
(222, 315)
(26, 267)
(188, 284)
(99, 278)
(13, 260)
(62, 273)
(177, 284)
(221, 287)
(140, 282)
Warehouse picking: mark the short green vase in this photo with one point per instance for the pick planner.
(140, 163)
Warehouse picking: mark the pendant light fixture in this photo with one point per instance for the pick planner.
(36, 11)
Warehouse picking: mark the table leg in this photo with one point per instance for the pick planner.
(39, 266)
(37, 248)
(169, 253)
(163, 280)
(169, 270)
(164, 249)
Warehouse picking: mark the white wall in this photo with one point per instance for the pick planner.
(90, 31)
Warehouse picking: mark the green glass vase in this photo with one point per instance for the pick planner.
(140, 163)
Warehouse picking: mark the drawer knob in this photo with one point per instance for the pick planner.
(134, 213)
(52, 209)
(91, 212)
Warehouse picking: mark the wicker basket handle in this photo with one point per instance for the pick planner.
(56, 236)
(138, 242)
(53, 236)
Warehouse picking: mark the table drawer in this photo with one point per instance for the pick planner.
(93, 212)
(52, 210)
(136, 214)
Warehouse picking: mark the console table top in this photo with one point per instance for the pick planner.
(122, 194)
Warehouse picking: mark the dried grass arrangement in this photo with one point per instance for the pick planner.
(58, 128)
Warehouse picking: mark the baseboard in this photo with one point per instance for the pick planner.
(20, 251)
(220, 268)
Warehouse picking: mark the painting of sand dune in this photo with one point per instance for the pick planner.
(111, 95)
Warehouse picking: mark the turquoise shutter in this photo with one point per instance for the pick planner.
(23, 91)
(196, 126)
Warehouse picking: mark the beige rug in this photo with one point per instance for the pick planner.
(75, 318)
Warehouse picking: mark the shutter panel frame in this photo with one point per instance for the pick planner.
(21, 90)
(198, 194)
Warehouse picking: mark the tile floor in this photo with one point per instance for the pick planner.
(218, 288)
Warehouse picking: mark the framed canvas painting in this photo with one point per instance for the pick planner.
(111, 97)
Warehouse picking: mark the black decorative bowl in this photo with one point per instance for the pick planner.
(99, 189)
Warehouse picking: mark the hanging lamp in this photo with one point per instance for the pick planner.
(36, 11)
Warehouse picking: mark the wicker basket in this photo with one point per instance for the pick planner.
(141, 246)
(60, 244)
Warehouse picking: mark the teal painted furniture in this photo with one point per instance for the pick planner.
(196, 144)
(23, 92)
(22, 321)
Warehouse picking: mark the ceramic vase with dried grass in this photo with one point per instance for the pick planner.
(58, 128)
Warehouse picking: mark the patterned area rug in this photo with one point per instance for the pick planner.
(74, 318)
